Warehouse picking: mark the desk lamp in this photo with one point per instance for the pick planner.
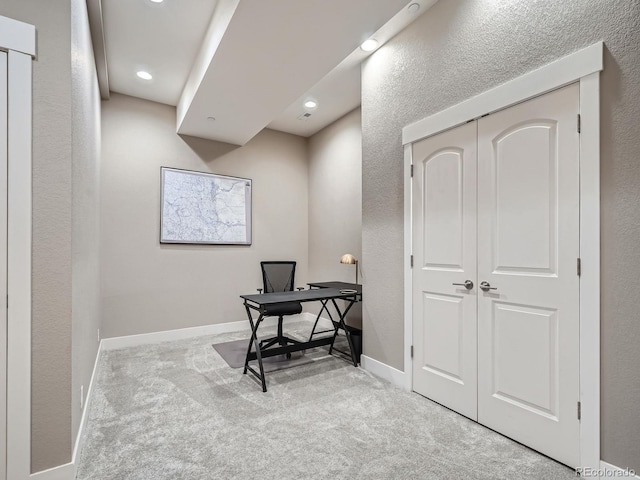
(349, 259)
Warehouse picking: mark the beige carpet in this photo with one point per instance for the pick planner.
(176, 410)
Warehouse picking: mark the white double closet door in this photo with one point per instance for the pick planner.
(496, 204)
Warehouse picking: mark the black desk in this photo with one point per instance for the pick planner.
(258, 302)
(336, 325)
(339, 285)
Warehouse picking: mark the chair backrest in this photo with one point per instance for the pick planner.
(278, 276)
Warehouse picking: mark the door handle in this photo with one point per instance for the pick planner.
(486, 286)
(468, 284)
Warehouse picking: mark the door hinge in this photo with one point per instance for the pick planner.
(579, 266)
(579, 123)
(411, 351)
(579, 410)
(412, 170)
(411, 261)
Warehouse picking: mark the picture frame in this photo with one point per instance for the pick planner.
(204, 208)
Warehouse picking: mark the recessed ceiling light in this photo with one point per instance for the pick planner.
(369, 45)
(413, 8)
(311, 104)
(144, 75)
(157, 1)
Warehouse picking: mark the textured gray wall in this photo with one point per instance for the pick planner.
(461, 48)
(335, 207)
(51, 254)
(149, 287)
(85, 234)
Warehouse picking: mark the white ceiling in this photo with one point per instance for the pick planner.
(161, 38)
(336, 94)
(250, 64)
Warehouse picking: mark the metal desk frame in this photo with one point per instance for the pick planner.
(257, 302)
(337, 326)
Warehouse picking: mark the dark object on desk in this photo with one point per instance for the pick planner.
(354, 333)
(279, 277)
(263, 303)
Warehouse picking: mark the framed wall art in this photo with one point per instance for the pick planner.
(204, 208)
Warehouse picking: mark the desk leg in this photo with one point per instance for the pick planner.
(324, 307)
(343, 325)
(254, 341)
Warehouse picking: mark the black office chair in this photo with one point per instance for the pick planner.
(279, 277)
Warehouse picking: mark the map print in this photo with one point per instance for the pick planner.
(205, 208)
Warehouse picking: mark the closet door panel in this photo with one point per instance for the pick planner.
(528, 246)
(444, 246)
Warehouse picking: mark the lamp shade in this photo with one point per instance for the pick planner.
(348, 259)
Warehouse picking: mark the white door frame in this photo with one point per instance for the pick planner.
(4, 129)
(19, 40)
(583, 66)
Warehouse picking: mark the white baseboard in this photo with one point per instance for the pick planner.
(63, 472)
(611, 471)
(180, 334)
(115, 343)
(385, 372)
(80, 437)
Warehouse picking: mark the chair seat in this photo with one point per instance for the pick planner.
(277, 310)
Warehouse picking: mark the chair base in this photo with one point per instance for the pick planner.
(280, 339)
